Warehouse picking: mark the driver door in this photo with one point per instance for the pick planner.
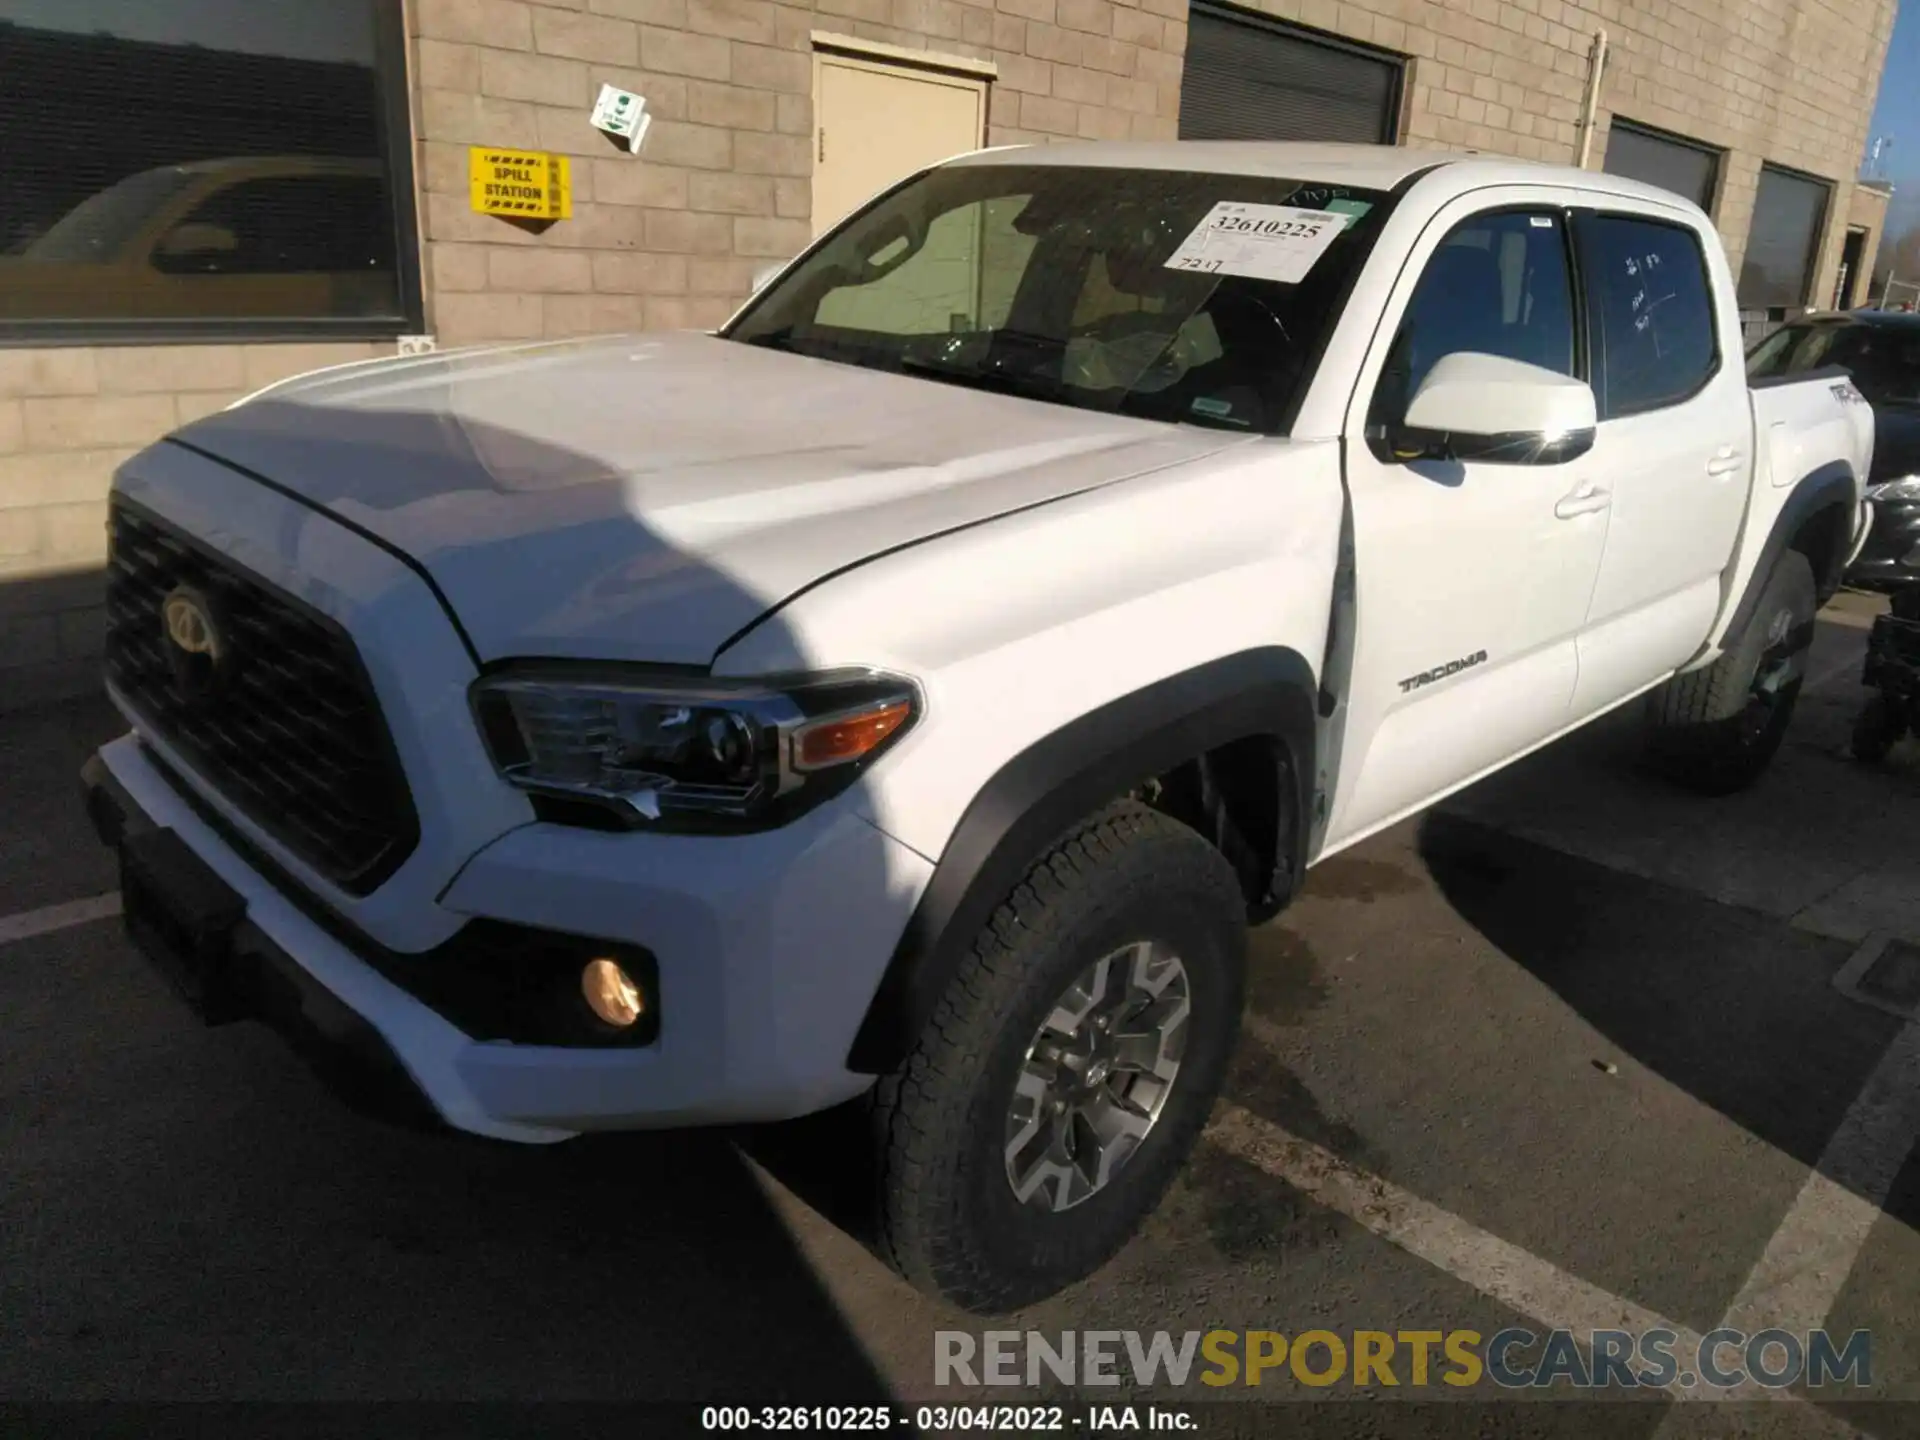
(1473, 577)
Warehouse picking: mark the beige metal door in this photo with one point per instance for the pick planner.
(877, 123)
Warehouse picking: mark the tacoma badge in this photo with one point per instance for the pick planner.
(1452, 667)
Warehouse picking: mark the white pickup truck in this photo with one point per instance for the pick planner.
(911, 693)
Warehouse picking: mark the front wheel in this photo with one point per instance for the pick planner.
(1068, 1069)
(1716, 730)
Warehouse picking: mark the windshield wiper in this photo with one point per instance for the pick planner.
(781, 339)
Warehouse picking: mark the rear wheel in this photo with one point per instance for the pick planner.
(1716, 730)
(1067, 1071)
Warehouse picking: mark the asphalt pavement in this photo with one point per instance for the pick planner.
(1567, 1050)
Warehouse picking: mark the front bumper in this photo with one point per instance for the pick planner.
(769, 948)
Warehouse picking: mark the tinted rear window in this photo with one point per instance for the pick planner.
(1653, 312)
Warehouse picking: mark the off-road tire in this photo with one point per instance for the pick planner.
(1877, 730)
(1703, 733)
(948, 1217)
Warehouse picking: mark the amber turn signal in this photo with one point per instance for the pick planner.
(840, 738)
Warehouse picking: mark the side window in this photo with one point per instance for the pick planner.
(1773, 355)
(1498, 285)
(284, 225)
(1653, 312)
(963, 278)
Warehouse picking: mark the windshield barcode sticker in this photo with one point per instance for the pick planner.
(1260, 242)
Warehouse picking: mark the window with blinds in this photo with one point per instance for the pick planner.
(206, 169)
(1783, 243)
(1654, 158)
(1248, 78)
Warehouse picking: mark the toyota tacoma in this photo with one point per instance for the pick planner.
(906, 697)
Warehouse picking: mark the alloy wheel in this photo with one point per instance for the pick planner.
(1096, 1076)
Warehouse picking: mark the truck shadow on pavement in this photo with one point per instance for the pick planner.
(1699, 978)
(1734, 1009)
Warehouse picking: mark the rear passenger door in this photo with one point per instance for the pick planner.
(1673, 450)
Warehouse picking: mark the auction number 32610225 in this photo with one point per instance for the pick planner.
(941, 1419)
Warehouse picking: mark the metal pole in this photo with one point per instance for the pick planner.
(1590, 108)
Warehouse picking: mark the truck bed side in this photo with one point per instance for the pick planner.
(1812, 446)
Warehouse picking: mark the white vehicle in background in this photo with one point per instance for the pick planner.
(911, 693)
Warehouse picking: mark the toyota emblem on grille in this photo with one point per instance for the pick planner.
(196, 642)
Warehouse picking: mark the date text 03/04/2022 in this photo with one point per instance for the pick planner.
(990, 1419)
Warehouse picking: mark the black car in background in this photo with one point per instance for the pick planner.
(1881, 351)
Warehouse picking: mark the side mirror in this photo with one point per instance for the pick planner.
(1491, 409)
(195, 246)
(764, 275)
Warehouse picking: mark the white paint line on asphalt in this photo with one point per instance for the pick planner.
(1848, 977)
(1518, 1279)
(58, 917)
(1799, 1275)
(1807, 1261)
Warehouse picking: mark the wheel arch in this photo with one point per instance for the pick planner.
(1200, 739)
(1816, 521)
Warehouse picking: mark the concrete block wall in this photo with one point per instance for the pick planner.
(68, 417)
(1786, 81)
(673, 237)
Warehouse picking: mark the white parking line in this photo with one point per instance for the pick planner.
(58, 917)
(1800, 1274)
(1519, 1279)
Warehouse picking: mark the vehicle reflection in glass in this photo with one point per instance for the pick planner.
(252, 237)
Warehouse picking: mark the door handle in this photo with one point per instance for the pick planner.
(1584, 501)
(1725, 461)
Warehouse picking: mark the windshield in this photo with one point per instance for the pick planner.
(96, 229)
(1882, 360)
(1197, 298)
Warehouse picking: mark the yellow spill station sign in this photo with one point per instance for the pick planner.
(525, 184)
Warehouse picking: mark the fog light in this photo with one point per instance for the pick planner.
(612, 994)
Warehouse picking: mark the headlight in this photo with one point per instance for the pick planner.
(691, 752)
(1905, 488)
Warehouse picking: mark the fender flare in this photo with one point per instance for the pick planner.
(1040, 794)
(1830, 486)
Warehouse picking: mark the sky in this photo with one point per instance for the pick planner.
(1897, 116)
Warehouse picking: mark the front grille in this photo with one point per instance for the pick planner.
(288, 731)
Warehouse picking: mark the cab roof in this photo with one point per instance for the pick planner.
(1374, 167)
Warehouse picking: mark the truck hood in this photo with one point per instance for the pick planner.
(648, 497)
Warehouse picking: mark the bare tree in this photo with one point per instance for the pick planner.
(1899, 259)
